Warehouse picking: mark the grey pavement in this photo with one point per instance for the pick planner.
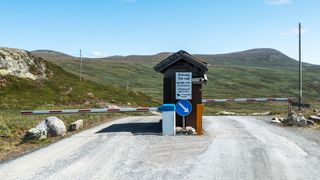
(233, 147)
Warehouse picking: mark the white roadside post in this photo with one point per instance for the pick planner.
(168, 119)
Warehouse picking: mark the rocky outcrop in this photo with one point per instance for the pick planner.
(22, 64)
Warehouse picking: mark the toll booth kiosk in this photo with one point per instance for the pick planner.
(182, 64)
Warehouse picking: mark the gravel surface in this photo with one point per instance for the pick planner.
(132, 148)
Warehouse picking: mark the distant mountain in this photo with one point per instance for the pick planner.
(50, 54)
(263, 58)
(266, 58)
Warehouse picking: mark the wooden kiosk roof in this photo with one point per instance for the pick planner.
(180, 55)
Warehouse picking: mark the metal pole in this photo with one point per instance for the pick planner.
(300, 70)
(80, 65)
(184, 122)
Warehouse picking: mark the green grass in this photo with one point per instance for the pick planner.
(224, 82)
(61, 90)
(65, 89)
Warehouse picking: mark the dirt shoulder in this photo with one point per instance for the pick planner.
(12, 145)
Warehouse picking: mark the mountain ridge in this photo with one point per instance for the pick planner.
(259, 57)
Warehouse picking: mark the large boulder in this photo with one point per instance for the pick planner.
(56, 126)
(76, 125)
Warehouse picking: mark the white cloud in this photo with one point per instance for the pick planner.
(99, 54)
(278, 2)
(294, 31)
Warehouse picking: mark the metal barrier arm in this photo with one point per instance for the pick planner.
(100, 110)
(245, 100)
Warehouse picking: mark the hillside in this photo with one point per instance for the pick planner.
(28, 82)
(225, 80)
(260, 58)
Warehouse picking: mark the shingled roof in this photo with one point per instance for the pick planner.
(163, 65)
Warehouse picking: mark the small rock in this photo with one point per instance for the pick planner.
(316, 110)
(76, 125)
(318, 115)
(290, 120)
(315, 119)
(35, 133)
(129, 104)
(310, 122)
(87, 103)
(55, 126)
(226, 113)
(179, 130)
(275, 120)
(90, 94)
(190, 130)
(301, 120)
(4, 130)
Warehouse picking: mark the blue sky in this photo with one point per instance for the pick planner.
(123, 27)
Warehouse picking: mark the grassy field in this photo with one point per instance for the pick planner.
(61, 90)
(224, 82)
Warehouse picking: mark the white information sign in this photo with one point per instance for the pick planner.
(183, 85)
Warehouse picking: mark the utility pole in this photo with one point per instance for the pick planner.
(300, 70)
(80, 65)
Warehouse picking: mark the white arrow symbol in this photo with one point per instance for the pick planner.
(184, 108)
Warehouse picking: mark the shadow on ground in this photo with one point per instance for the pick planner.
(153, 128)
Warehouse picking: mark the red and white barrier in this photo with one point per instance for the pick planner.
(101, 110)
(245, 100)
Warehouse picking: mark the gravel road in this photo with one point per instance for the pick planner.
(132, 148)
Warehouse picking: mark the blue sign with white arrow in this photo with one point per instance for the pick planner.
(183, 107)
